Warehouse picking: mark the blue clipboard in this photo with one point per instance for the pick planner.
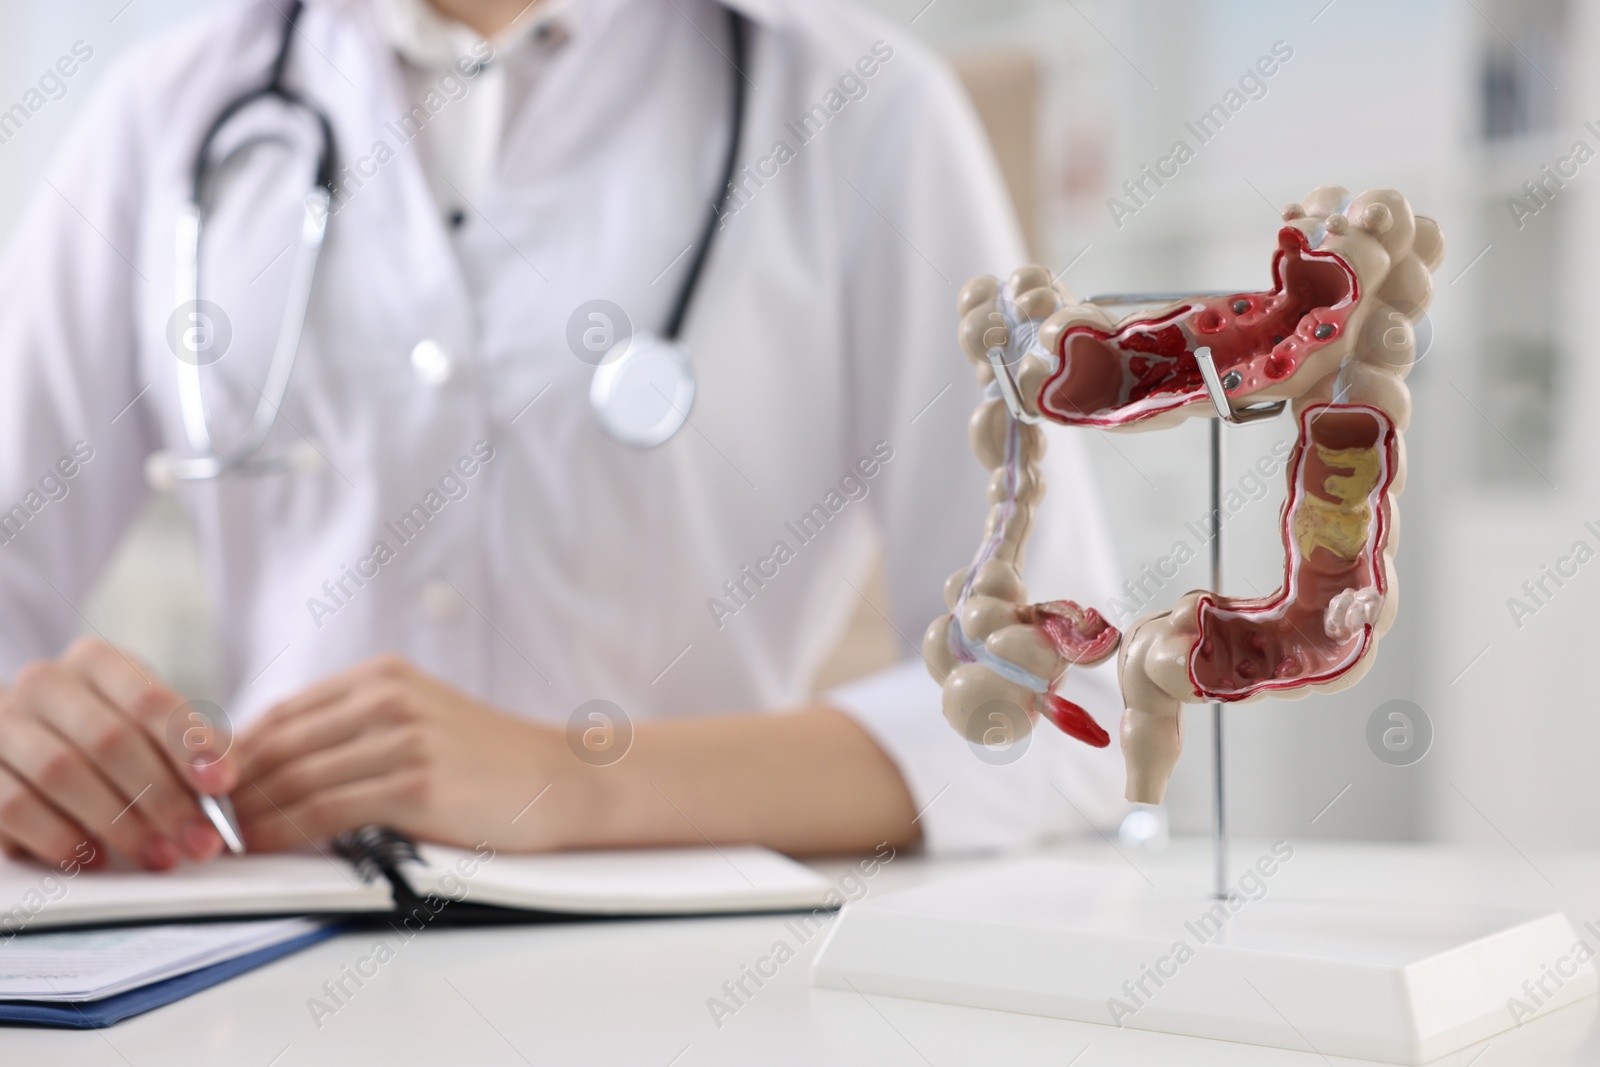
(92, 1014)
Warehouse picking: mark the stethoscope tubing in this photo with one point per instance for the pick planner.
(207, 463)
(737, 27)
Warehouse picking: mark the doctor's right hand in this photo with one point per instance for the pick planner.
(85, 757)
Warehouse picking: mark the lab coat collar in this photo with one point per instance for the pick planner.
(422, 35)
(771, 13)
(765, 12)
(594, 15)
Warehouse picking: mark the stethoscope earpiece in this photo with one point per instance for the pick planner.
(159, 472)
(164, 472)
(305, 457)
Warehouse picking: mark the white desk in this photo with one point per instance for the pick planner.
(636, 993)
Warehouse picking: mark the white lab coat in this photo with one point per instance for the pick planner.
(565, 568)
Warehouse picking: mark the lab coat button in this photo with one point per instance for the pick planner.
(432, 363)
(440, 601)
(552, 33)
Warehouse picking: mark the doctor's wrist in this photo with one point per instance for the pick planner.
(601, 800)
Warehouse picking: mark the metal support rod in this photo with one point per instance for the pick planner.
(1217, 386)
(1219, 837)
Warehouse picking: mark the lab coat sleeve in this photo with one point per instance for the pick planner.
(926, 210)
(72, 438)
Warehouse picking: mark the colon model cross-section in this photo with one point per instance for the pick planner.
(1334, 336)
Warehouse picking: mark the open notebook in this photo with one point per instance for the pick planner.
(379, 871)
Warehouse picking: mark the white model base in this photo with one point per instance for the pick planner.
(1401, 981)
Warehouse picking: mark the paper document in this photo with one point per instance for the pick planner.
(92, 964)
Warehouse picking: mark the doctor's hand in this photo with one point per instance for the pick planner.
(385, 743)
(86, 761)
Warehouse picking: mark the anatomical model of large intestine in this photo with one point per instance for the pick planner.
(1333, 336)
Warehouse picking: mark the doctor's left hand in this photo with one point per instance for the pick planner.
(385, 743)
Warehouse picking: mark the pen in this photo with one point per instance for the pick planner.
(220, 811)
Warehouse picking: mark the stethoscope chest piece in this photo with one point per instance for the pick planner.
(643, 396)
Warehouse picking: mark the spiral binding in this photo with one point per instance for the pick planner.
(375, 850)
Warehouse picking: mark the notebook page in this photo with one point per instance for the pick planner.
(92, 964)
(674, 881)
(34, 897)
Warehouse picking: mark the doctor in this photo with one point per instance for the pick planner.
(442, 547)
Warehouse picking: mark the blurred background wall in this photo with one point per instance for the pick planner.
(1457, 103)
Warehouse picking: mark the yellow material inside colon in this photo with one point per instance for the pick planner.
(1340, 525)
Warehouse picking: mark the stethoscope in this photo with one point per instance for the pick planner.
(642, 394)
(643, 388)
